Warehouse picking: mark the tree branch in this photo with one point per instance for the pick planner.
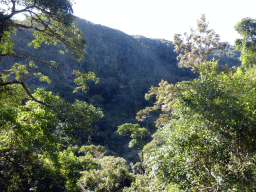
(26, 89)
(18, 25)
(18, 55)
(13, 7)
(14, 12)
(46, 30)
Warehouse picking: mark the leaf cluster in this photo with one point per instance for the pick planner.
(135, 132)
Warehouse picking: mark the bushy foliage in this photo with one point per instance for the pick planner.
(207, 143)
(145, 183)
(31, 148)
(135, 132)
(113, 175)
(71, 166)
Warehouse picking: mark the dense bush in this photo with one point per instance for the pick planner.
(113, 175)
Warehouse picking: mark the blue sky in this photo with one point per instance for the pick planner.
(163, 18)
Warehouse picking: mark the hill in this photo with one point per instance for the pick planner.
(127, 67)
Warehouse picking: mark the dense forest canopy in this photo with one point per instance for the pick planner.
(76, 113)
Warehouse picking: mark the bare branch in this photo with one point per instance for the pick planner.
(14, 12)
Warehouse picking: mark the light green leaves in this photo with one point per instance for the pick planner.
(165, 98)
(54, 32)
(43, 77)
(113, 175)
(6, 43)
(135, 132)
(82, 78)
(147, 96)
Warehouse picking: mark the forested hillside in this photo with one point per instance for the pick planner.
(84, 107)
(127, 67)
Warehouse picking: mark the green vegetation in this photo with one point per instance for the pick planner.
(37, 128)
(198, 45)
(53, 134)
(208, 144)
(206, 135)
(246, 28)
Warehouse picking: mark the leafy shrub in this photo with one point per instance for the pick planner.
(113, 175)
(145, 183)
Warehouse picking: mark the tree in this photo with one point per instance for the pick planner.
(34, 138)
(51, 22)
(206, 133)
(208, 143)
(136, 133)
(247, 29)
(112, 175)
(195, 49)
(37, 128)
(198, 45)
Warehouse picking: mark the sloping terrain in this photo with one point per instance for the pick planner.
(127, 67)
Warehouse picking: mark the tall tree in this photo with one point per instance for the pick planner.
(136, 133)
(198, 45)
(193, 51)
(247, 29)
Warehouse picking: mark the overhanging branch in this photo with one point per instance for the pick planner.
(27, 91)
(22, 56)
